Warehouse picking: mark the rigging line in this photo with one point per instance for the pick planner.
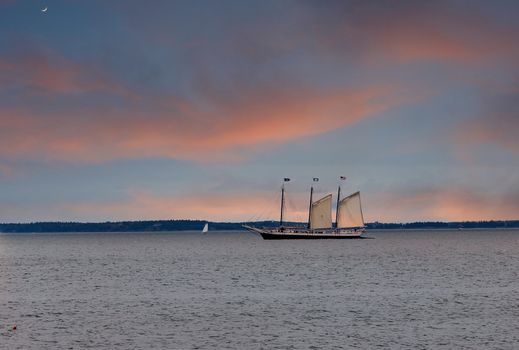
(274, 207)
(262, 214)
(295, 209)
(266, 209)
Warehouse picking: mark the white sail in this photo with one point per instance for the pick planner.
(206, 228)
(321, 214)
(350, 212)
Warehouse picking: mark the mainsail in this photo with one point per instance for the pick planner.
(350, 212)
(321, 213)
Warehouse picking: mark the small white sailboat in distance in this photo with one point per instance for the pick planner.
(206, 228)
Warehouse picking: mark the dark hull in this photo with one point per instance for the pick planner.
(304, 236)
(298, 233)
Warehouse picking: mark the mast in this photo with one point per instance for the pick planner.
(310, 206)
(337, 211)
(282, 204)
(341, 178)
(286, 179)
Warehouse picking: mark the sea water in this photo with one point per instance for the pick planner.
(233, 290)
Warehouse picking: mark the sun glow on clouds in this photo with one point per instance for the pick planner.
(253, 78)
(213, 126)
(448, 204)
(53, 74)
(144, 205)
(186, 131)
(433, 204)
(498, 126)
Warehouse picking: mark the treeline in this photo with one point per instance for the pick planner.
(124, 226)
(197, 225)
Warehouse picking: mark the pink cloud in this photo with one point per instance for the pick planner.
(54, 74)
(415, 31)
(463, 39)
(6, 170)
(498, 124)
(143, 205)
(447, 204)
(180, 129)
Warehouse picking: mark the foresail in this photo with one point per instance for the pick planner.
(350, 212)
(321, 215)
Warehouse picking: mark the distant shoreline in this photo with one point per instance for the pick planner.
(243, 231)
(197, 225)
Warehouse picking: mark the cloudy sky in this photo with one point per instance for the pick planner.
(116, 110)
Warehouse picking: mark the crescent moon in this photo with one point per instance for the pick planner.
(44, 9)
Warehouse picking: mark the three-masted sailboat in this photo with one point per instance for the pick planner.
(349, 221)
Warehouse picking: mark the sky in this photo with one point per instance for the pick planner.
(133, 110)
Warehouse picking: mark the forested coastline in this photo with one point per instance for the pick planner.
(196, 225)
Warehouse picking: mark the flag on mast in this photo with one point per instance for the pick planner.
(286, 179)
(343, 177)
(316, 179)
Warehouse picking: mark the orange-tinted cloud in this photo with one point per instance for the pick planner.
(182, 129)
(448, 204)
(464, 40)
(142, 205)
(54, 74)
(6, 170)
(415, 31)
(497, 125)
(484, 132)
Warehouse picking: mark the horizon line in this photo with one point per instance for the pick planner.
(246, 221)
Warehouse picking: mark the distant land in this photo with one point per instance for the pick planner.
(197, 225)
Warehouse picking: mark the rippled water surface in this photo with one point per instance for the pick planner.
(413, 289)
